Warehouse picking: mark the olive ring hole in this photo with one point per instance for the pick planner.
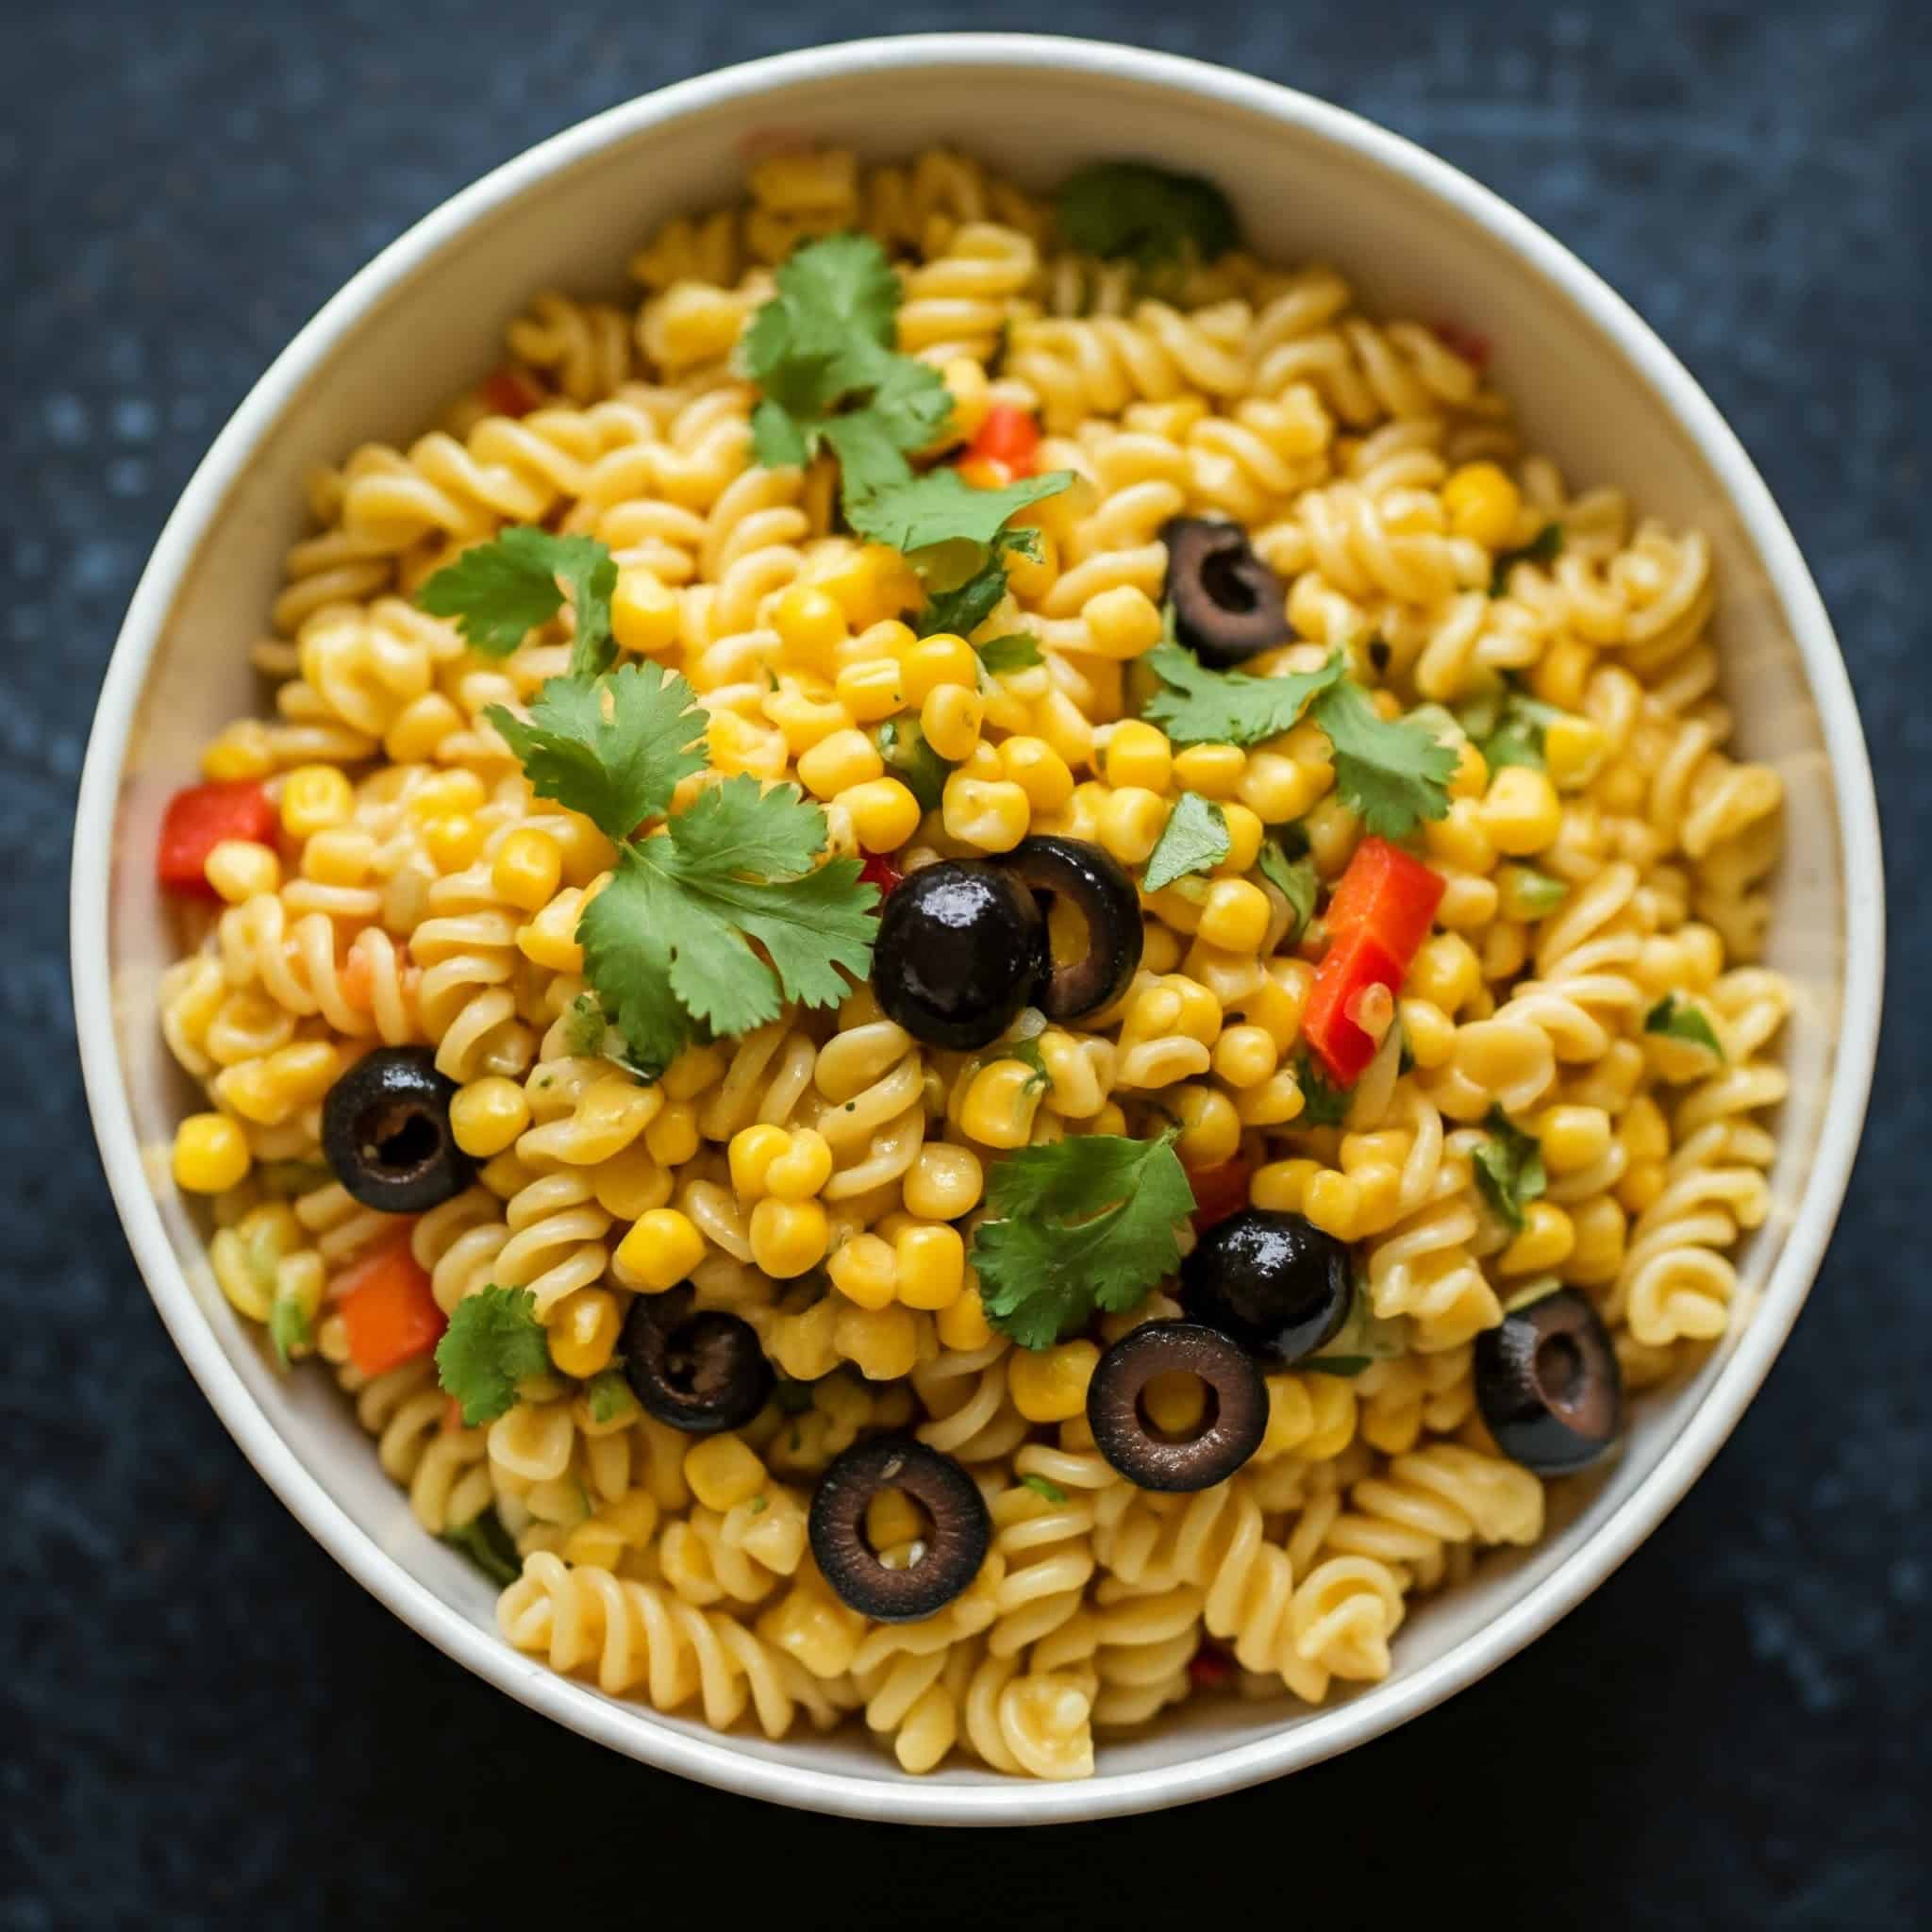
(1224, 581)
(401, 1138)
(1177, 1406)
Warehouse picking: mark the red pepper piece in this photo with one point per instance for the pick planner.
(506, 390)
(1209, 1668)
(387, 1312)
(1348, 969)
(198, 819)
(1008, 437)
(1388, 893)
(1218, 1191)
(882, 872)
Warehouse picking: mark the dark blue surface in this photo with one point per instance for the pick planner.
(207, 1723)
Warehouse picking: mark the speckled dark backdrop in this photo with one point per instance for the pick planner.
(207, 1723)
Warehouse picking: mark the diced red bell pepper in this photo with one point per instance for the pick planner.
(506, 390)
(881, 872)
(1388, 893)
(1349, 968)
(198, 819)
(1209, 1668)
(1008, 439)
(387, 1312)
(1472, 348)
(1218, 1191)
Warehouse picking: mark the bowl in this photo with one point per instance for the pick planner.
(1595, 388)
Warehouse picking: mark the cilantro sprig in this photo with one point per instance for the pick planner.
(1078, 1226)
(1323, 1104)
(1195, 839)
(1510, 1167)
(1295, 878)
(1149, 215)
(1544, 547)
(488, 1545)
(723, 913)
(493, 1341)
(1676, 1019)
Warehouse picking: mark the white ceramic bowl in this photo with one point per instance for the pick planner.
(1595, 388)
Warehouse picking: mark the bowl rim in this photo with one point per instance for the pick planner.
(719, 1760)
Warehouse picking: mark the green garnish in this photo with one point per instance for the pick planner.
(584, 1027)
(1513, 733)
(608, 1395)
(1677, 1018)
(1196, 706)
(911, 761)
(288, 1178)
(1016, 651)
(1194, 840)
(288, 1328)
(493, 1341)
(1544, 547)
(1041, 1486)
(1076, 1226)
(1150, 215)
(1510, 1167)
(1324, 1104)
(500, 592)
(961, 610)
(1295, 880)
(1535, 891)
(488, 1545)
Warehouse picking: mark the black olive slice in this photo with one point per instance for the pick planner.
(1232, 1426)
(1273, 1281)
(1097, 886)
(702, 1373)
(1228, 604)
(1548, 1383)
(958, 953)
(386, 1132)
(961, 1529)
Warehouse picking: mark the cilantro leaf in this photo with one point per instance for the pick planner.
(911, 761)
(288, 1328)
(1390, 773)
(1295, 880)
(492, 1342)
(961, 611)
(608, 1395)
(1677, 1018)
(500, 592)
(1324, 1104)
(1535, 894)
(1516, 736)
(669, 940)
(1042, 1486)
(941, 507)
(1151, 214)
(1078, 1226)
(1015, 651)
(1196, 706)
(584, 1027)
(1510, 1167)
(1544, 547)
(488, 1545)
(1194, 840)
(794, 1398)
(613, 748)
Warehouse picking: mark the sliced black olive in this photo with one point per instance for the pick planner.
(960, 951)
(1228, 604)
(1096, 885)
(386, 1132)
(953, 1553)
(1232, 1422)
(699, 1372)
(1273, 1281)
(1548, 1383)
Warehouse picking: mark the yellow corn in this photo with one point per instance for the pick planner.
(1482, 502)
(999, 1105)
(242, 751)
(811, 626)
(944, 1182)
(931, 1261)
(238, 869)
(1138, 754)
(1245, 1055)
(1131, 822)
(1050, 1385)
(883, 813)
(660, 1251)
(1546, 1241)
(643, 611)
(864, 1270)
(951, 717)
(1520, 812)
(1212, 770)
(962, 1324)
(936, 661)
(487, 1115)
(1121, 623)
(1235, 917)
(1174, 1402)
(527, 868)
(787, 1237)
(843, 760)
(671, 1139)
(210, 1155)
(1574, 750)
(992, 816)
(751, 1154)
(871, 691)
(582, 1331)
(1210, 1129)
(723, 1473)
(1574, 1137)
(314, 797)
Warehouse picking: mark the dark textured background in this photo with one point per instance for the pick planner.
(207, 1723)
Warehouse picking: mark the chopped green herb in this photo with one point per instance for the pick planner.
(1535, 891)
(1516, 738)
(1041, 1486)
(608, 1395)
(1544, 547)
(1347, 1365)
(584, 1027)
(1324, 1104)
(1196, 706)
(1016, 651)
(493, 1341)
(1078, 1226)
(760, 1505)
(1195, 840)
(1150, 215)
(288, 1328)
(1295, 880)
(1390, 773)
(488, 1545)
(794, 1398)
(500, 592)
(1510, 1167)
(960, 611)
(1675, 1017)
(911, 761)
(1028, 1053)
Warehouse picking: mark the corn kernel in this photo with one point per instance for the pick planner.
(1546, 1241)
(990, 816)
(1131, 822)
(882, 1343)
(443, 793)
(865, 1270)
(242, 751)
(962, 1324)
(1482, 502)
(1244, 835)
(1060, 723)
(787, 1237)
(487, 1115)
(527, 868)
(1000, 1104)
(722, 1471)
(645, 612)
(1210, 1129)
(1235, 917)
(1122, 623)
(931, 1261)
(659, 1252)
(751, 1151)
(1039, 771)
(871, 691)
(936, 661)
(1601, 1233)
(1174, 1402)
(893, 1518)
(873, 584)
(1245, 1055)
(1138, 754)
(238, 869)
(1561, 676)
(340, 857)
(1458, 838)
(694, 1070)
(1212, 770)
(1446, 971)
(811, 626)
(1520, 812)
(883, 813)
(671, 1139)
(1574, 1137)
(1050, 1385)
(210, 1155)
(582, 1330)
(1282, 1186)
(1574, 750)
(845, 758)
(1643, 1182)
(315, 797)
(951, 717)
(452, 843)
(944, 1182)
(1276, 788)
(1332, 1202)
(803, 1169)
